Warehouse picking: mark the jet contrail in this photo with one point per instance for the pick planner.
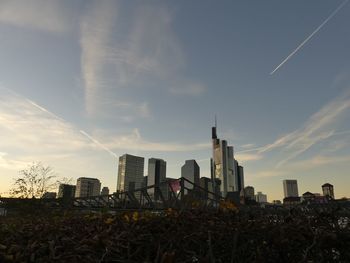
(60, 119)
(98, 143)
(310, 36)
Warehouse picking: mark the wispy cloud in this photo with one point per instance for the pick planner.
(133, 141)
(310, 36)
(319, 127)
(46, 15)
(143, 54)
(95, 40)
(246, 157)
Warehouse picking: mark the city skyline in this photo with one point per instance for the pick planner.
(83, 82)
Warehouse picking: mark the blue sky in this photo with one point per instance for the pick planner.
(82, 82)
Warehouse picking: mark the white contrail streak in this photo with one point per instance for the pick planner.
(98, 143)
(310, 36)
(60, 119)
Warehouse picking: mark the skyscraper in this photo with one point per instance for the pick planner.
(190, 171)
(328, 190)
(290, 188)
(240, 177)
(130, 172)
(224, 166)
(87, 187)
(156, 176)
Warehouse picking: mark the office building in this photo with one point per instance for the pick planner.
(261, 198)
(328, 190)
(87, 187)
(224, 167)
(156, 176)
(190, 171)
(240, 177)
(206, 186)
(249, 192)
(130, 173)
(105, 191)
(290, 188)
(66, 191)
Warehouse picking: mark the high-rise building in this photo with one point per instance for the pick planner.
(190, 171)
(66, 191)
(87, 187)
(261, 198)
(157, 177)
(290, 188)
(105, 191)
(249, 192)
(240, 176)
(328, 190)
(130, 172)
(224, 166)
(207, 186)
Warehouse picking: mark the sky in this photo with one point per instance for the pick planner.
(83, 82)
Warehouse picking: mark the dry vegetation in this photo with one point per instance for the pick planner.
(189, 236)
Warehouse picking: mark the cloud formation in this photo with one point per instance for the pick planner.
(144, 55)
(46, 15)
(319, 127)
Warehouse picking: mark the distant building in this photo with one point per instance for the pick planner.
(240, 177)
(170, 187)
(66, 191)
(207, 186)
(291, 201)
(190, 171)
(328, 190)
(130, 172)
(156, 177)
(249, 192)
(277, 202)
(308, 196)
(87, 187)
(49, 195)
(261, 198)
(224, 166)
(105, 191)
(144, 181)
(290, 188)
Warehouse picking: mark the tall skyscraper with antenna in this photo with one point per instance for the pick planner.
(224, 166)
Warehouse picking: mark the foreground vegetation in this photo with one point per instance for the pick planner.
(173, 236)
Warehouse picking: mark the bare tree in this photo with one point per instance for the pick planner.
(34, 181)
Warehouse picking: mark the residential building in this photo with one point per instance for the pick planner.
(290, 188)
(291, 201)
(328, 190)
(156, 176)
(190, 171)
(87, 187)
(105, 191)
(66, 191)
(249, 192)
(261, 198)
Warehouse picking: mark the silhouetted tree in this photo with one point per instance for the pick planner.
(34, 181)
